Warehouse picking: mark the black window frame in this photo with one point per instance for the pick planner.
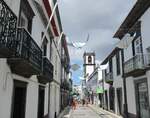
(29, 13)
(118, 71)
(89, 59)
(110, 65)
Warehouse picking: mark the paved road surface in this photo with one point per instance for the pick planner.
(86, 112)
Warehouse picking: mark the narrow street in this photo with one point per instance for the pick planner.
(88, 112)
(57, 55)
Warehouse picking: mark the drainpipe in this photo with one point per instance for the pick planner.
(124, 86)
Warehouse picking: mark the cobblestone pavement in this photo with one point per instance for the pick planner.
(87, 112)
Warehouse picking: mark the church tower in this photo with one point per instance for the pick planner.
(89, 64)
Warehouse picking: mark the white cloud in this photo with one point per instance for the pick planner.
(100, 18)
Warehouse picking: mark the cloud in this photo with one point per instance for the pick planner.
(99, 18)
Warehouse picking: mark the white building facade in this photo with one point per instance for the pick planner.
(114, 89)
(30, 67)
(136, 59)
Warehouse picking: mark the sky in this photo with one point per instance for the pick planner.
(98, 18)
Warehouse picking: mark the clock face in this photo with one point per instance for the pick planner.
(89, 59)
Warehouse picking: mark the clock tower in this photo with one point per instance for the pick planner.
(89, 64)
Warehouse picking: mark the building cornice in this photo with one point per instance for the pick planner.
(89, 54)
(115, 50)
(137, 11)
(89, 64)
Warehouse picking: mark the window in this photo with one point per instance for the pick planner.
(44, 46)
(110, 65)
(118, 63)
(26, 15)
(89, 59)
(23, 21)
(138, 46)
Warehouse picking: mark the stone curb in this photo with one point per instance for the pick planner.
(97, 110)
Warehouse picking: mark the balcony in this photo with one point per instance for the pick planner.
(27, 60)
(137, 65)
(47, 71)
(8, 21)
(109, 78)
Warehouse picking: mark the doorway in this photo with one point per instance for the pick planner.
(106, 99)
(142, 100)
(41, 102)
(19, 99)
(111, 98)
(119, 100)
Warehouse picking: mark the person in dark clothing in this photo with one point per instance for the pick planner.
(83, 102)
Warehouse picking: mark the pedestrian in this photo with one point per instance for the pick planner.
(83, 102)
(86, 102)
(73, 104)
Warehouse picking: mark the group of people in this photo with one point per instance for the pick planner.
(84, 102)
(74, 103)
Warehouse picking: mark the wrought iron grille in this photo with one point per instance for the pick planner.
(8, 21)
(47, 68)
(136, 62)
(28, 49)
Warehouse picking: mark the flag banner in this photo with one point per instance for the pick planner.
(99, 90)
(103, 67)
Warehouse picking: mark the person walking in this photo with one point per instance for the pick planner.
(83, 102)
(73, 104)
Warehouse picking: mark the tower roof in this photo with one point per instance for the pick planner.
(89, 53)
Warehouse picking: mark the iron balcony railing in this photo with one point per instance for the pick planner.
(8, 21)
(138, 62)
(109, 77)
(28, 49)
(47, 69)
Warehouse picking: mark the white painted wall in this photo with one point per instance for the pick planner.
(128, 53)
(52, 99)
(145, 25)
(89, 69)
(32, 99)
(145, 32)
(6, 85)
(148, 81)
(46, 99)
(99, 74)
(131, 95)
(6, 89)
